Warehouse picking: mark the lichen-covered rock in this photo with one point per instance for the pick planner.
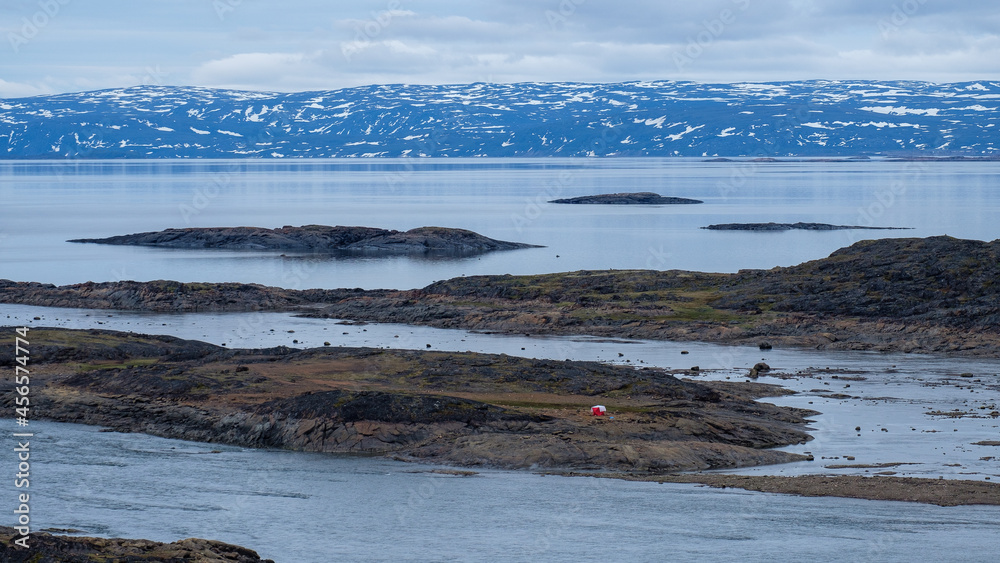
(47, 548)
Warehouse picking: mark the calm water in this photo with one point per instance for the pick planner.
(318, 508)
(315, 508)
(47, 203)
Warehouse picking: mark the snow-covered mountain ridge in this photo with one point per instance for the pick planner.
(808, 119)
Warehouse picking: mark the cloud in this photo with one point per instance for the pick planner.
(253, 70)
(20, 90)
(316, 44)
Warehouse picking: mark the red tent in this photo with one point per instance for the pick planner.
(598, 410)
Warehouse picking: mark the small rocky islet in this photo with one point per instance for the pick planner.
(800, 226)
(319, 239)
(636, 198)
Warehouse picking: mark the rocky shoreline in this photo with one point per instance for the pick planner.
(170, 296)
(319, 239)
(940, 492)
(931, 295)
(638, 198)
(44, 547)
(460, 409)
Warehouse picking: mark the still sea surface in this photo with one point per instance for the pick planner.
(45, 204)
(313, 508)
(296, 507)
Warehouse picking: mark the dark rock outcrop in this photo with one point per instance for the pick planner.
(793, 226)
(170, 296)
(638, 198)
(319, 239)
(759, 368)
(44, 548)
(942, 280)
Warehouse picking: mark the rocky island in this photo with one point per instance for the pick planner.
(794, 226)
(47, 547)
(639, 198)
(319, 239)
(464, 409)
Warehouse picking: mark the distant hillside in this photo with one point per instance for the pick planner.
(809, 119)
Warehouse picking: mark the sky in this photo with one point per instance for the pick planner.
(56, 46)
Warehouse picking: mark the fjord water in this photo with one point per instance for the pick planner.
(296, 507)
(306, 507)
(47, 203)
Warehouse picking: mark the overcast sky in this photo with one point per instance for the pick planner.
(52, 46)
